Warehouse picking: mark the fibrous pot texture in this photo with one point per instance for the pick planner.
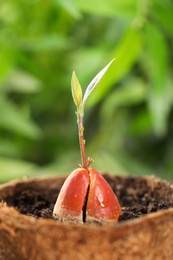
(144, 231)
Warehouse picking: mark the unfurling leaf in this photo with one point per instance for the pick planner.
(95, 81)
(76, 90)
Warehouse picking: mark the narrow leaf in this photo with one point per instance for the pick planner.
(14, 119)
(160, 93)
(125, 8)
(125, 60)
(76, 90)
(95, 81)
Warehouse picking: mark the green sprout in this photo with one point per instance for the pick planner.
(79, 101)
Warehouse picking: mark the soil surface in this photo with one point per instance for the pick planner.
(136, 195)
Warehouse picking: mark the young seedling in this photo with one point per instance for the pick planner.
(85, 195)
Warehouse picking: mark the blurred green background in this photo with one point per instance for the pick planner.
(128, 118)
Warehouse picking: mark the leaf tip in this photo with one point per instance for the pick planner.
(76, 90)
(95, 81)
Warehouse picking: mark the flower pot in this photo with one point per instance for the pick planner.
(144, 231)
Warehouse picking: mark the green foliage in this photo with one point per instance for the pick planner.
(80, 100)
(128, 119)
(76, 91)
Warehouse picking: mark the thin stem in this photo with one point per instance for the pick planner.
(81, 139)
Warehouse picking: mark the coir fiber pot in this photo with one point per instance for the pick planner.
(144, 231)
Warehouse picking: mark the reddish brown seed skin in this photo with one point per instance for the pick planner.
(86, 189)
(72, 196)
(102, 203)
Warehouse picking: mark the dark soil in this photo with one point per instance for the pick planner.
(136, 196)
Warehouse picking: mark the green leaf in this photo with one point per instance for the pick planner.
(22, 82)
(126, 53)
(70, 7)
(132, 92)
(160, 92)
(162, 11)
(48, 42)
(9, 147)
(95, 81)
(14, 120)
(160, 107)
(125, 8)
(7, 56)
(76, 90)
(13, 169)
(141, 124)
